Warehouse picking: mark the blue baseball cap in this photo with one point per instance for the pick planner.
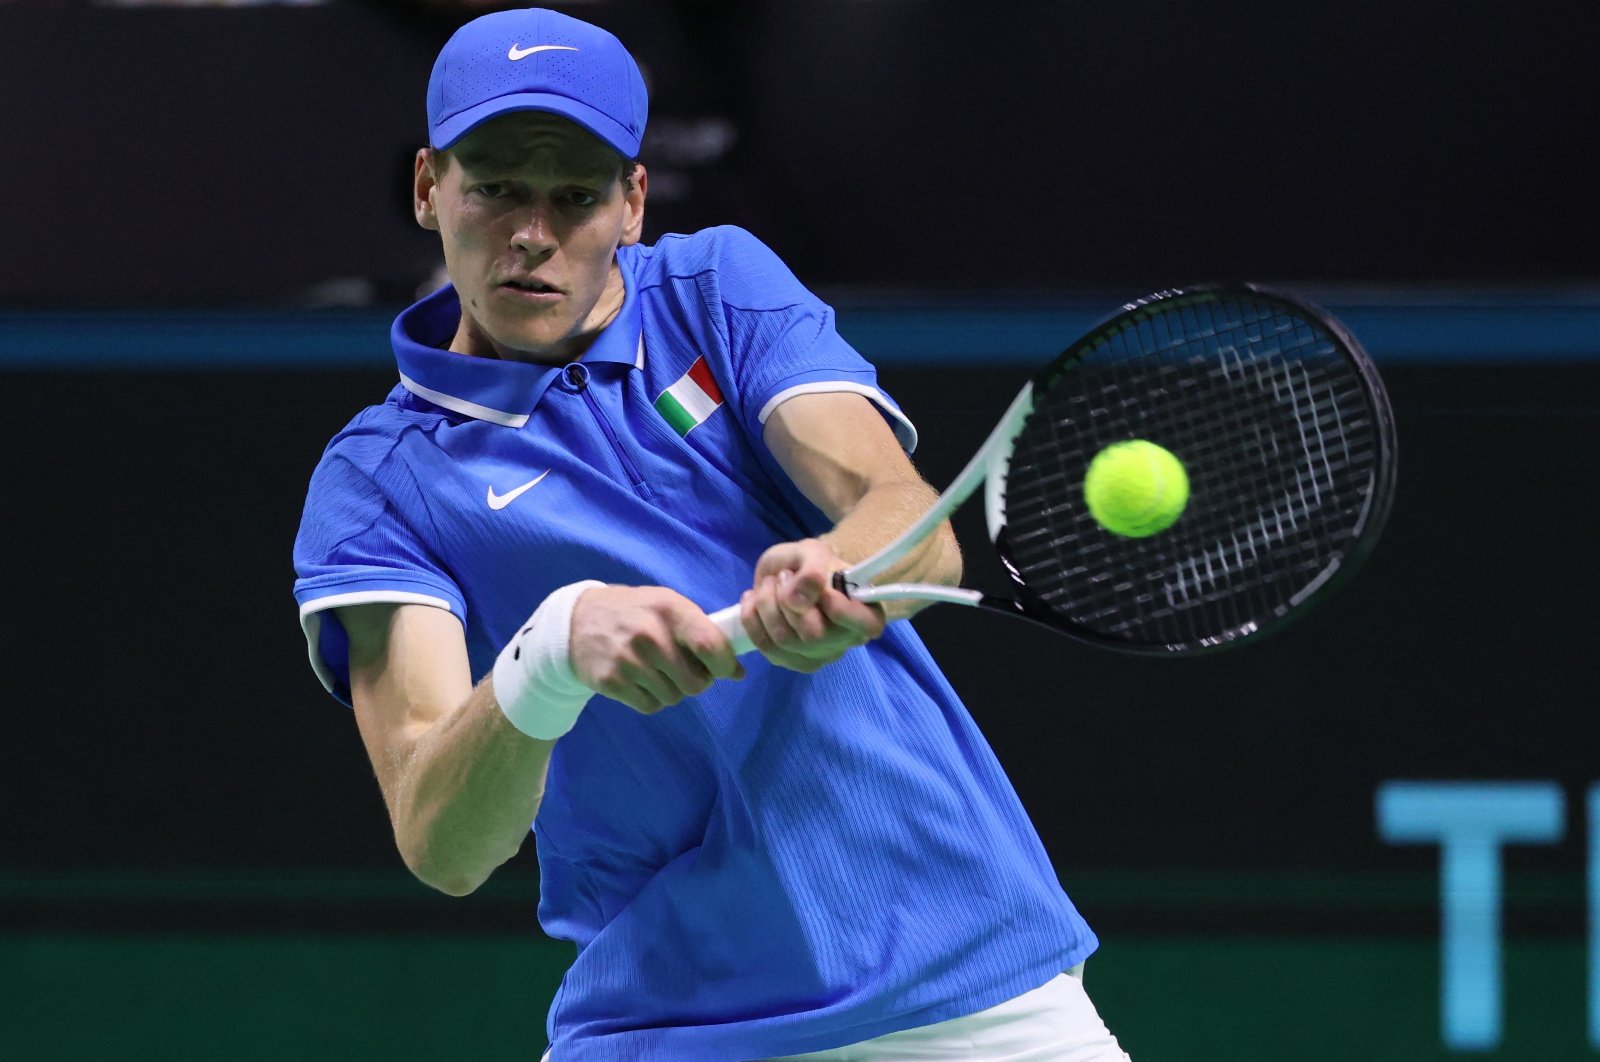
(537, 60)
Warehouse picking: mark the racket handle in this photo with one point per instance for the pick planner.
(727, 621)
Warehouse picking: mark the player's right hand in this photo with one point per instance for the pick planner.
(647, 646)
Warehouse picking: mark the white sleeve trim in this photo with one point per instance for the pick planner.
(904, 430)
(311, 618)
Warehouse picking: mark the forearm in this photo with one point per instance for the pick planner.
(467, 794)
(463, 767)
(881, 514)
(843, 457)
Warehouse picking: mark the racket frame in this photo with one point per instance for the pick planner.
(988, 468)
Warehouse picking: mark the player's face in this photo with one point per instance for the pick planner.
(531, 209)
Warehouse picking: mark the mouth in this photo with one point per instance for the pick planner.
(532, 287)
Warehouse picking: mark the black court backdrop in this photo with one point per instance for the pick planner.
(187, 805)
(261, 154)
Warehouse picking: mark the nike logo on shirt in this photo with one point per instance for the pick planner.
(500, 501)
(522, 53)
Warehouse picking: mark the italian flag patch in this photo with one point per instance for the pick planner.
(687, 403)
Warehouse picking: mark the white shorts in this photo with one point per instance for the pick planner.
(1055, 1022)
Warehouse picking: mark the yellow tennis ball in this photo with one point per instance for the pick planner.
(1135, 488)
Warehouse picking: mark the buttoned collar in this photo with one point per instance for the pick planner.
(501, 392)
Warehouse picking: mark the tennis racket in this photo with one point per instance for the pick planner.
(1285, 430)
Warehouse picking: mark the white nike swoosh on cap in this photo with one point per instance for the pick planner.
(500, 501)
(522, 53)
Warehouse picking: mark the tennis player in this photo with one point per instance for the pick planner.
(505, 568)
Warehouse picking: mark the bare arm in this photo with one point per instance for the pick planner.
(462, 785)
(843, 456)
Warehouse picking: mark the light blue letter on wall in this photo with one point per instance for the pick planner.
(1470, 821)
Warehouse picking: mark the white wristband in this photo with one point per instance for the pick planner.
(533, 678)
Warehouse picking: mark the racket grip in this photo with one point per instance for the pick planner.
(727, 621)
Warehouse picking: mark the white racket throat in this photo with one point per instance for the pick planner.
(949, 595)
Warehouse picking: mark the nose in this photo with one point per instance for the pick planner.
(535, 232)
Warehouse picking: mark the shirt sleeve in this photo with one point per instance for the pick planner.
(357, 547)
(782, 339)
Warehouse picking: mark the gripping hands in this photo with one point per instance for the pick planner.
(650, 647)
(647, 646)
(793, 614)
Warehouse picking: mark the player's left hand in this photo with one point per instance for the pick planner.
(794, 615)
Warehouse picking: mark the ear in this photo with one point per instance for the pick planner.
(424, 180)
(633, 219)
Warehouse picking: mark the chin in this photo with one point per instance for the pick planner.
(524, 344)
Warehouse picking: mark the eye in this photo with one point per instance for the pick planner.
(579, 198)
(492, 190)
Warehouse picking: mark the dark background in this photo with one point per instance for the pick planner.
(170, 672)
(258, 154)
(207, 231)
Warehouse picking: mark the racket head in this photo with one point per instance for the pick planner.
(1284, 428)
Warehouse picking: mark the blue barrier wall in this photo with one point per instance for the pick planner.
(1442, 327)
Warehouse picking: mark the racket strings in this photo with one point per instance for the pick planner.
(1274, 425)
(1204, 574)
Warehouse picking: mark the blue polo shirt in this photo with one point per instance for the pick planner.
(779, 865)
